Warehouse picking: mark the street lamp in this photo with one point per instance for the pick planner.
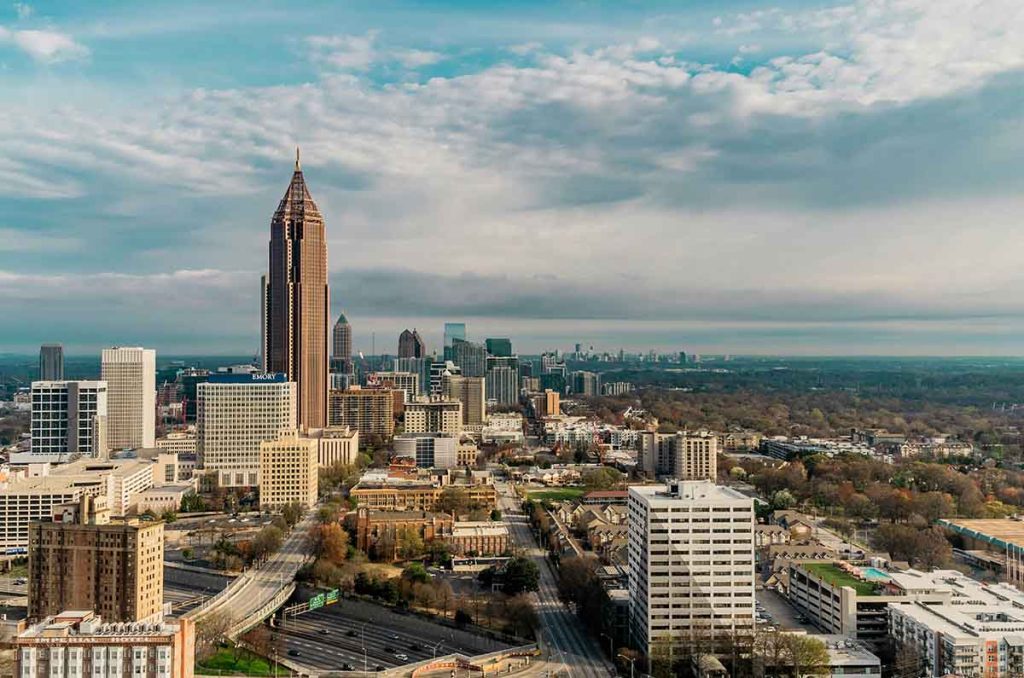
(631, 661)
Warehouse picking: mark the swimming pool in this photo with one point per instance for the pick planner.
(873, 573)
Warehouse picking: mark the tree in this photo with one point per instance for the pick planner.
(453, 500)
(416, 573)
(603, 478)
(410, 542)
(210, 630)
(521, 575)
(292, 513)
(495, 515)
(329, 541)
(266, 542)
(521, 617)
(462, 617)
(808, 656)
(169, 516)
(783, 499)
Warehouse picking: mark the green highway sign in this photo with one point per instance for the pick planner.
(331, 597)
(316, 601)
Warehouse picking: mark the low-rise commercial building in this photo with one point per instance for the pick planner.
(178, 442)
(335, 445)
(428, 450)
(80, 644)
(479, 538)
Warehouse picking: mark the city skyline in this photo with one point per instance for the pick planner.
(739, 177)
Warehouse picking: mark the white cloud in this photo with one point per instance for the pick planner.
(360, 52)
(45, 46)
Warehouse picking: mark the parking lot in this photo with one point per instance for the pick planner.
(778, 611)
(334, 638)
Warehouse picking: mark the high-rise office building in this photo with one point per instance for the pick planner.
(691, 567)
(236, 413)
(288, 471)
(297, 301)
(472, 393)
(411, 345)
(681, 455)
(500, 347)
(586, 384)
(341, 356)
(438, 371)
(471, 358)
(369, 411)
(452, 331)
(51, 362)
(434, 416)
(503, 379)
(130, 373)
(82, 560)
(69, 419)
(418, 366)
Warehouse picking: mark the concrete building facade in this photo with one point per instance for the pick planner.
(368, 411)
(69, 418)
(288, 471)
(438, 415)
(130, 373)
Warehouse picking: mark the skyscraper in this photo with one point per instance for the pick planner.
(51, 362)
(69, 418)
(411, 345)
(499, 346)
(130, 373)
(452, 331)
(470, 357)
(341, 356)
(297, 300)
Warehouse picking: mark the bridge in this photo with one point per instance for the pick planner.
(256, 594)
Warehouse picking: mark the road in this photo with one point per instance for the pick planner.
(186, 590)
(566, 639)
(252, 590)
(333, 636)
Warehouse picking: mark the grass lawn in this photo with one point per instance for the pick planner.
(248, 664)
(17, 571)
(836, 577)
(556, 494)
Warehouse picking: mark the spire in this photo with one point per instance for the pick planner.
(298, 167)
(297, 200)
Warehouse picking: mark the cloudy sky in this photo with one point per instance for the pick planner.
(744, 177)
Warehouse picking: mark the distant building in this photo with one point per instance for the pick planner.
(472, 393)
(69, 419)
(418, 366)
(586, 384)
(341, 343)
(80, 560)
(51, 362)
(288, 471)
(499, 347)
(617, 388)
(438, 371)
(503, 380)
(368, 411)
(682, 455)
(452, 331)
(335, 445)
(691, 549)
(411, 345)
(471, 358)
(546, 404)
(479, 537)
(178, 442)
(236, 413)
(434, 416)
(407, 382)
(429, 450)
(77, 644)
(380, 491)
(130, 373)
(379, 532)
(189, 380)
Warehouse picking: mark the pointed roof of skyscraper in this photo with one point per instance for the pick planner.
(342, 320)
(297, 203)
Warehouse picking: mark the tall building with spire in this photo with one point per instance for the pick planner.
(297, 300)
(341, 356)
(411, 345)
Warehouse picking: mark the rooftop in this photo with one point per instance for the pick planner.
(832, 574)
(997, 531)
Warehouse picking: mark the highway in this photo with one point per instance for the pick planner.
(330, 638)
(244, 596)
(567, 641)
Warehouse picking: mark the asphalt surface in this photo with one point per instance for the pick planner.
(566, 639)
(252, 590)
(329, 638)
(186, 590)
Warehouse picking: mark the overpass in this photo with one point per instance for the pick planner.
(256, 594)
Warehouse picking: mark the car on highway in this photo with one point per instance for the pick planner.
(394, 636)
(21, 581)
(347, 667)
(294, 653)
(402, 657)
(324, 632)
(351, 633)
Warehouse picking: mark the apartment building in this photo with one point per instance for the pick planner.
(236, 412)
(406, 382)
(80, 559)
(288, 471)
(368, 411)
(429, 450)
(69, 419)
(682, 455)
(691, 565)
(81, 644)
(438, 415)
(130, 374)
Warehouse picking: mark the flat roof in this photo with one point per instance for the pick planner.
(997, 531)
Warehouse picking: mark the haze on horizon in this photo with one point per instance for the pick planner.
(720, 177)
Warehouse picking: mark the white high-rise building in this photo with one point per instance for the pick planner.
(130, 373)
(69, 419)
(691, 566)
(234, 414)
